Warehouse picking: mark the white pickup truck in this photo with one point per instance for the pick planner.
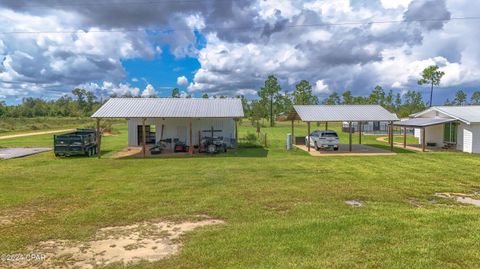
(323, 139)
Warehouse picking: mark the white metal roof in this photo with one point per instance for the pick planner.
(170, 108)
(423, 122)
(344, 113)
(467, 114)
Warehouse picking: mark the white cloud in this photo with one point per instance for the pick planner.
(321, 87)
(149, 91)
(195, 21)
(395, 3)
(182, 81)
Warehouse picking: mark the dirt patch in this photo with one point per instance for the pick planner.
(147, 241)
(9, 217)
(460, 197)
(354, 202)
(35, 133)
(126, 152)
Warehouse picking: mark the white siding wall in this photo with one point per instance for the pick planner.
(471, 138)
(434, 134)
(179, 128)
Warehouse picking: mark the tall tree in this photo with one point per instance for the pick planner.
(80, 94)
(460, 98)
(259, 110)
(377, 96)
(176, 93)
(303, 95)
(332, 99)
(431, 76)
(347, 98)
(414, 102)
(246, 106)
(268, 92)
(283, 103)
(475, 99)
(398, 101)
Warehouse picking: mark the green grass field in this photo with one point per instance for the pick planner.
(282, 209)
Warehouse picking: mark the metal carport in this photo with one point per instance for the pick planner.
(420, 123)
(341, 113)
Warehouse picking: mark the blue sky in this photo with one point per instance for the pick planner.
(226, 47)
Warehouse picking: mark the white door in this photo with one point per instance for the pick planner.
(467, 141)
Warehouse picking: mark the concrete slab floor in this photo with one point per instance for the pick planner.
(357, 150)
(10, 153)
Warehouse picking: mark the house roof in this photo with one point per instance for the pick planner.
(423, 122)
(467, 114)
(341, 113)
(170, 108)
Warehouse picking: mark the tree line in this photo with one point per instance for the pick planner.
(272, 101)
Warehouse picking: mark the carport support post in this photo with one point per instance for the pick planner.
(404, 137)
(308, 140)
(326, 125)
(391, 136)
(350, 136)
(423, 139)
(98, 137)
(360, 132)
(144, 137)
(236, 132)
(190, 148)
(293, 133)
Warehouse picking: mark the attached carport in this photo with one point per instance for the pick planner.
(422, 124)
(342, 113)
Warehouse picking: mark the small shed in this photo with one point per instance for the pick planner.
(342, 113)
(449, 127)
(182, 119)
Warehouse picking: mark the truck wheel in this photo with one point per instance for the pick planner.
(316, 146)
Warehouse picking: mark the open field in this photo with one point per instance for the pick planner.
(280, 209)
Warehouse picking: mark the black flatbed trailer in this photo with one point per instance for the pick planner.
(79, 142)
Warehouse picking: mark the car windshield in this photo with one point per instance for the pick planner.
(329, 135)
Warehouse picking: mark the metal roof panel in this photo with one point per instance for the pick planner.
(170, 108)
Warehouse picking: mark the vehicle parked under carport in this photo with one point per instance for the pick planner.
(327, 139)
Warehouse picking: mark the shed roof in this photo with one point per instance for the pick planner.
(423, 122)
(170, 108)
(342, 113)
(467, 114)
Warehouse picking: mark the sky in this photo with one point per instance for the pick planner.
(227, 47)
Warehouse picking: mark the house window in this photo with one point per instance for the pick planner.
(450, 133)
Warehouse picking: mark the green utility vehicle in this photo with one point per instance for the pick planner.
(80, 142)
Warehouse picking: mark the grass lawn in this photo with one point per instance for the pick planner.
(282, 209)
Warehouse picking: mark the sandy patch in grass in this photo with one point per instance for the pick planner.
(148, 241)
(354, 202)
(460, 197)
(126, 152)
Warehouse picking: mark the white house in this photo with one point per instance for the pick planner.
(455, 127)
(182, 119)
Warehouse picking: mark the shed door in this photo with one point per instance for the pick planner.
(467, 140)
